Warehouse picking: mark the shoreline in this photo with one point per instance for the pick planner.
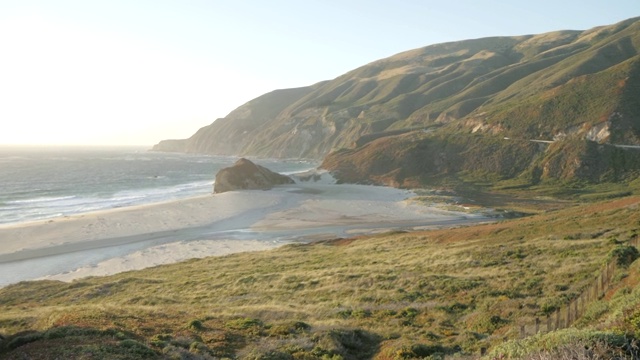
(129, 238)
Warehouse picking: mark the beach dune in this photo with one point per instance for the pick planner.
(129, 238)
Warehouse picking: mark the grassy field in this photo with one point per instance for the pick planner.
(392, 296)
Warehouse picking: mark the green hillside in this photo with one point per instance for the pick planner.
(564, 86)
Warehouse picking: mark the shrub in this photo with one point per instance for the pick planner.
(486, 323)
(196, 325)
(582, 350)
(289, 328)
(243, 323)
(18, 341)
(421, 350)
(409, 313)
(197, 347)
(624, 255)
(557, 341)
(354, 343)
(271, 355)
(67, 331)
(134, 347)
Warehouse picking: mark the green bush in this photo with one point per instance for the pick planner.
(409, 313)
(422, 350)
(243, 323)
(196, 325)
(137, 348)
(67, 331)
(18, 341)
(624, 255)
(287, 329)
(550, 342)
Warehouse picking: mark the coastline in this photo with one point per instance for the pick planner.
(130, 238)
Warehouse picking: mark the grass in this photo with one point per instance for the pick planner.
(396, 295)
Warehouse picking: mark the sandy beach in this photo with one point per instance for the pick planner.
(130, 238)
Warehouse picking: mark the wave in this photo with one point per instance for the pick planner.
(44, 199)
(302, 171)
(47, 207)
(50, 185)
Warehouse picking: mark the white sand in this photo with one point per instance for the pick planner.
(108, 242)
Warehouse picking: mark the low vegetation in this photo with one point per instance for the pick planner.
(398, 295)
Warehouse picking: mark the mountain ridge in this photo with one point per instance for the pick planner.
(559, 85)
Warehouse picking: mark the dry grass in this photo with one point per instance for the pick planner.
(450, 291)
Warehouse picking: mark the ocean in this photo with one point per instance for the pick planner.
(39, 183)
(54, 182)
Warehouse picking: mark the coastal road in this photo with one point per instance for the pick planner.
(552, 141)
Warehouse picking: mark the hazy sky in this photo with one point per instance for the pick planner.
(138, 71)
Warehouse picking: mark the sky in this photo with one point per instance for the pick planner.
(134, 72)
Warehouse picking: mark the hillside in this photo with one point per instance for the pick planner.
(392, 296)
(577, 85)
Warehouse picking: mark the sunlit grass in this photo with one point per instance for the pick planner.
(456, 289)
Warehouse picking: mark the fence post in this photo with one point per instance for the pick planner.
(575, 309)
(613, 269)
(537, 325)
(522, 332)
(548, 323)
(557, 319)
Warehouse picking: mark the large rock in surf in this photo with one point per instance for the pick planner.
(245, 175)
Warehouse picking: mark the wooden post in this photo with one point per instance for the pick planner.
(575, 309)
(557, 319)
(613, 269)
(548, 323)
(568, 323)
(537, 325)
(522, 332)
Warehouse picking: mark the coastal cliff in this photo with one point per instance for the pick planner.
(505, 97)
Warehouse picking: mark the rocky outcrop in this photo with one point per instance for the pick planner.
(245, 175)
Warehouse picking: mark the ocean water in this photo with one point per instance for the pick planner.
(47, 182)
